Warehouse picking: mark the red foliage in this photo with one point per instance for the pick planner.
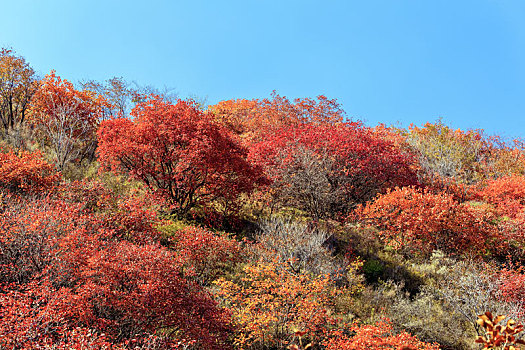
(507, 194)
(128, 217)
(124, 289)
(179, 152)
(378, 336)
(420, 221)
(64, 266)
(24, 325)
(512, 287)
(26, 172)
(204, 252)
(355, 163)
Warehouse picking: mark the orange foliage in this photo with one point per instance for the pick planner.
(253, 119)
(378, 336)
(17, 86)
(420, 221)
(507, 194)
(270, 302)
(26, 172)
(65, 118)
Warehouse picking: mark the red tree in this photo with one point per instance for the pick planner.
(378, 336)
(179, 152)
(328, 168)
(420, 221)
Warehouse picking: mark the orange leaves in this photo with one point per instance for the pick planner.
(254, 119)
(270, 302)
(498, 336)
(420, 221)
(506, 193)
(65, 118)
(377, 336)
(26, 172)
(56, 97)
(17, 86)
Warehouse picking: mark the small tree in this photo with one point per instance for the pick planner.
(416, 220)
(179, 152)
(18, 83)
(271, 302)
(65, 118)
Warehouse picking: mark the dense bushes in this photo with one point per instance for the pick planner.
(26, 172)
(346, 237)
(328, 169)
(419, 221)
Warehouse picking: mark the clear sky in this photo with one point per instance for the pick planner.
(384, 61)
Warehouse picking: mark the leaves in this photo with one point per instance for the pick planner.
(179, 153)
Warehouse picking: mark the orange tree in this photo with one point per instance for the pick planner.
(270, 303)
(179, 152)
(18, 83)
(253, 120)
(65, 118)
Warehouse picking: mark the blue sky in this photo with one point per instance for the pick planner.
(385, 61)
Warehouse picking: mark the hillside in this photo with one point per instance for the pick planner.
(131, 219)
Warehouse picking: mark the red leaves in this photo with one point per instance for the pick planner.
(26, 172)
(349, 163)
(95, 262)
(135, 289)
(418, 220)
(506, 193)
(378, 336)
(204, 253)
(179, 152)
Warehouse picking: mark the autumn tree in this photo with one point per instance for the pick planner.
(269, 302)
(376, 336)
(178, 152)
(26, 173)
(419, 221)
(66, 119)
(327, 169)
(252, 120)
(18, 83)
(445, 153)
